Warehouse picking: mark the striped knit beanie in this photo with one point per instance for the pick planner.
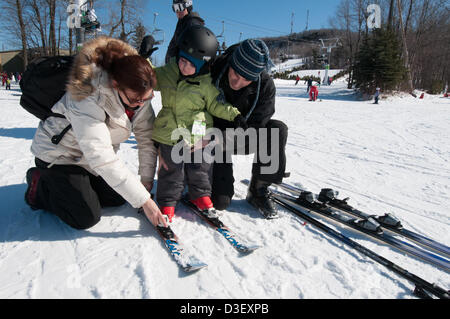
(250, 58)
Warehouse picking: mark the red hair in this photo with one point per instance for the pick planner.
(129, 71)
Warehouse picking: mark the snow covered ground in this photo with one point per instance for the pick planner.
(288, 65)
(392, 157)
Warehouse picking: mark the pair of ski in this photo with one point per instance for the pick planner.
(187, 261)
(306, 202)
(369, 227)
(383, 223)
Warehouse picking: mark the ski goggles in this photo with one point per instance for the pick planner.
(178, 7)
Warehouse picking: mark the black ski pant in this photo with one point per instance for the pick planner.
(223, 180)
(73, 194)
(171, 181)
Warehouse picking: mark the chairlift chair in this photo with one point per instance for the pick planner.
(89, 21)
(222, 47)
(158, 34)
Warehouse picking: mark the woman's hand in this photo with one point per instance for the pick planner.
(153, 213)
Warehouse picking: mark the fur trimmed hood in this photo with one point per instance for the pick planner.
(83, 69)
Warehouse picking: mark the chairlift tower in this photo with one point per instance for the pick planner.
(307, 19)
(288, 51)
(332, 43)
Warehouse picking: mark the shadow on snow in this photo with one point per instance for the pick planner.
(18, 132)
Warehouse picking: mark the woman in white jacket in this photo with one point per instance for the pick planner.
(108, 97)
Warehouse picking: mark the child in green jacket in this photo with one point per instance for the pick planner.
(188, 100)
(8, 84)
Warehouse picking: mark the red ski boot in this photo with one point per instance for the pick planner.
(169, 211)
(205, 205)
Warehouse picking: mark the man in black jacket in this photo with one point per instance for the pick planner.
(186, 18)
(240, 74)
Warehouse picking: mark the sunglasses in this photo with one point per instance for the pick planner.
(140, 101)
(178, 7)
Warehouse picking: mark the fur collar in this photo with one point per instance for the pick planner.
(83, 70)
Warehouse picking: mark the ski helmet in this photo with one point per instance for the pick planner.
(198, 43)
(180, 5)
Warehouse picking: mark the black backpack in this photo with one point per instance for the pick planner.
(43, 84)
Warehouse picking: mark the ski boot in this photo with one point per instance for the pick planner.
(258, 196)
(33, 176)
(205, 205)
(168, 211)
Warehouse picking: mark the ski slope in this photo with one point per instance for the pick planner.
(392, 157)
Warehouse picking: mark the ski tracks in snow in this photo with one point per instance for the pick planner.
(388, 158)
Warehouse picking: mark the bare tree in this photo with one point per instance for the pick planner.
(124, 18)
(12, 18)
(351, 17)
(405, 48)
(38, 21)
(52, 29)
(422, 26)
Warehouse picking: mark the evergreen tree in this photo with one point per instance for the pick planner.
(364, 66)
(379, 62)
(316, 59)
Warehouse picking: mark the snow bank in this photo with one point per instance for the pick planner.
(391, 157)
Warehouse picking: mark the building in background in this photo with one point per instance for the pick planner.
(12, 61)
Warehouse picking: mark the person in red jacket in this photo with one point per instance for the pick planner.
(4, 77)
(313, 93)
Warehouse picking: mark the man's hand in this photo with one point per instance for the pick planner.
(147, 49)
(239, 121)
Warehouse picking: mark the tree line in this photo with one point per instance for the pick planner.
(39, 26)
(409, 51)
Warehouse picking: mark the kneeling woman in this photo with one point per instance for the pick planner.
(108, 97)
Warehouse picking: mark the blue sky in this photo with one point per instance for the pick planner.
(253, 18)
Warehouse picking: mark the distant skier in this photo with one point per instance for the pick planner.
(313, 93)
(297, 78)
(309, 84)
(8, 84)
(4, 77)
(377, 96)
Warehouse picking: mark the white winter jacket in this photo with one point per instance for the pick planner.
(99, 125)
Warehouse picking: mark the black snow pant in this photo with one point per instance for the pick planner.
(223, 180)
(171, 181)
(73, 194)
